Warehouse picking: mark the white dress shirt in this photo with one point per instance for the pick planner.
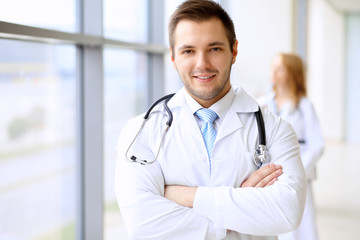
(222, 210)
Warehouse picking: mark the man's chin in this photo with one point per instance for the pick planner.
(206, 94)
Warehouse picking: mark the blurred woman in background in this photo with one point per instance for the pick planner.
(288, 100)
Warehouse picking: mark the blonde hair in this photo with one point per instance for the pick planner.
(296, 72)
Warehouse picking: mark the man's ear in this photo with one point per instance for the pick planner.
(235, 51)
(171, 54)
(172, 57)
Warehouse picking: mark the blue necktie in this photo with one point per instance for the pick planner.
(208, 130)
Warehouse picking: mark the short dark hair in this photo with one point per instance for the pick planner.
(201, 10)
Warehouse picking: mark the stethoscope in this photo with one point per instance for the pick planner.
(261, 155)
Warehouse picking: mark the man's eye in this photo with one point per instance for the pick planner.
(216, 49)
(186, 51)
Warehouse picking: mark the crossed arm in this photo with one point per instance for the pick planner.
(263, 177)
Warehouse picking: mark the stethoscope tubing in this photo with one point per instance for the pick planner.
(260, 155)
(261, 127)
(166, 98)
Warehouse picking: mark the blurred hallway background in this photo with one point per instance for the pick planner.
(337, 193)
(70, 65)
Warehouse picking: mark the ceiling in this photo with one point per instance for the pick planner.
(348, 6)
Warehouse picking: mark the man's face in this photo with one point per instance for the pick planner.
(203, 58)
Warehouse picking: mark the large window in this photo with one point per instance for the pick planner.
(126, 21)
(125, 95)
(127, 84)
(37, 141)
(69, 80)
(54, 14)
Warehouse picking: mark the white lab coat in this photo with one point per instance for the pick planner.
(221, 209)
(306, 125)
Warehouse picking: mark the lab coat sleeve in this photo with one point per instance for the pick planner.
(262, 211)
(314, 140)
(146, 213)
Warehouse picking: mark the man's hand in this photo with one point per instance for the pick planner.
(181, 195)
(264, 176)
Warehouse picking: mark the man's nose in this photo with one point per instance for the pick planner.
(203, 61)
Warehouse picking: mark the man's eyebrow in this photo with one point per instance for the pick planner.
(216, 43)
(185, 46)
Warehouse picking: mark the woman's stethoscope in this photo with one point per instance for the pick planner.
(261, 156)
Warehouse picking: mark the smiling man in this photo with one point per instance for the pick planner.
(203, 183)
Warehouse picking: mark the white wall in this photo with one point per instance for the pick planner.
(353, 78)
(263, 29)
(326, 74)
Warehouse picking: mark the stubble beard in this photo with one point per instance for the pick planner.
(209, 93)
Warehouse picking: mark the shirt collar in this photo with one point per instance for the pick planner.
(220, 107)
(237, 98)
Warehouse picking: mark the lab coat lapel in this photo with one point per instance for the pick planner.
(184, 118)
(242, 103)
(188, 122)
(230, 124)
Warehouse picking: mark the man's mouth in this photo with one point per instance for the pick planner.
(204, 77)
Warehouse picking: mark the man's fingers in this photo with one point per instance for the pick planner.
(270, 178)
(271, 182)
(264, 176)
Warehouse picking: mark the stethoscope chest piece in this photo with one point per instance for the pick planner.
(261, 156)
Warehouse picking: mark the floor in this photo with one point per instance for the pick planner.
(337, 192)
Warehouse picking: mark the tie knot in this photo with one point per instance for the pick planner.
(206, 115)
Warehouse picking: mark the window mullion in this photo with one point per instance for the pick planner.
(90, 91)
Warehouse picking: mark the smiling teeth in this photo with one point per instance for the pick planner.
(205, 77)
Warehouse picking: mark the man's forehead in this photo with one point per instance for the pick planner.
(189, 32)
(191, 22)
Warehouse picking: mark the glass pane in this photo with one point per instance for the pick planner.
(37, 141)
(125, 96)
(127, 22)
(55, 14)
(169, 8)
